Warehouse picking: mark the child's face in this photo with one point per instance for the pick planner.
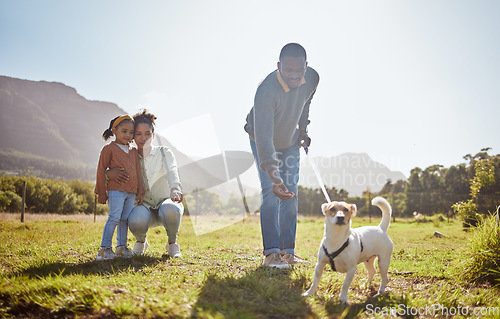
(143, 135)
(124, 132)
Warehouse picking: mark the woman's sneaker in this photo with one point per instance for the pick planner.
(140, 248)
(105, 253)
(123, 251)
(174, 250)
(276, 261)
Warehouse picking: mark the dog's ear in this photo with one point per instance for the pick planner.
(354, 209)
(324, 207)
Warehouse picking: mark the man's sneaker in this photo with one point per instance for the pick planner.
(174, 251)
(123, 251)
(140, 248)
(275, 260)
(105, 253)
(293, 259)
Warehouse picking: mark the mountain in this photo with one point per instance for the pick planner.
(52, 120)
(50, 123)
(353, 172)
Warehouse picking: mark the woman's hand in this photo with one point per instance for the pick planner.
(139, 199)
(117, 174)
(176, 195)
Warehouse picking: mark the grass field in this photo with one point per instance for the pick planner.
(47, 269)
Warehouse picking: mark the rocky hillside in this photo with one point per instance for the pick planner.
(50, 124)
(52, 120)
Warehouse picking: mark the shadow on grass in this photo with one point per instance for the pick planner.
(263, 293)
(386, 305)
(91, 267)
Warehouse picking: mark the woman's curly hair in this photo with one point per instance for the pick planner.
(145, 117)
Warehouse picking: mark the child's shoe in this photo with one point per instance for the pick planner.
(105, 253)
(123, 251)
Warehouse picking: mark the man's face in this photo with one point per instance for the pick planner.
(292, 70)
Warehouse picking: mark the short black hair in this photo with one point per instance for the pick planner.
(293, 50)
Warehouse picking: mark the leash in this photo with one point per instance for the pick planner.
(316, 172)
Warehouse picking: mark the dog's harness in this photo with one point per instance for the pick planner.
(332, 256)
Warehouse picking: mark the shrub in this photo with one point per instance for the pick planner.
(484, 249)
(484, 177)
(467, 212)
(46, 195)
(10, 201)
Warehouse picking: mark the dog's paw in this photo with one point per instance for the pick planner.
(343, 300)
(307, 293)
(377, 295)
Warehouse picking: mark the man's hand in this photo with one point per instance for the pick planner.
(176, 195)
(279, 189)
(117, 174)
(102, 198)
(139, 199)
(303, 137)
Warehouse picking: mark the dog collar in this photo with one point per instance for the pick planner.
(335, 253)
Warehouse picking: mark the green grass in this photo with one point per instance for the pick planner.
(47, 269)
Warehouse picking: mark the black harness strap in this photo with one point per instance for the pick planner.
(335, 254)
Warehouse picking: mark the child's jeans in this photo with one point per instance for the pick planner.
(120, 205)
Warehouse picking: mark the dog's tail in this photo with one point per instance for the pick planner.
(386, 209)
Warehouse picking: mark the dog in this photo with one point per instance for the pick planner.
(344, 247)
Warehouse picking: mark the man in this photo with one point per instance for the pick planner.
(277, 125)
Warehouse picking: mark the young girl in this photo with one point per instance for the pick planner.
(120, 196)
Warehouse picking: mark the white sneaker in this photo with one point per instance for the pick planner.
(123, 251)
(105, 253)
(293, 259)
(174, 250)
(140, 248)
(276, 261)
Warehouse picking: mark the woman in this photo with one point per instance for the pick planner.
(163, 196)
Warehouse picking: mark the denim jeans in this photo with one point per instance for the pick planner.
(278, 218)
(168, 215)
(120, 205)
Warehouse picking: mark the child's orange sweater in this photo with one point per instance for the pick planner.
(113, 156)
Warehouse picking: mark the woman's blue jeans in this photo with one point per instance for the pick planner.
(120, 205)
(278, 218)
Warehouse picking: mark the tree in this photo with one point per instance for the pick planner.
(484, 177)
(414, 191)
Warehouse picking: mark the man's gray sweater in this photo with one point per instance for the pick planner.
(274, 119)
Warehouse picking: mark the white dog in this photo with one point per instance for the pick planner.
(344, 248)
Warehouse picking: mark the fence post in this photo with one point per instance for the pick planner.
(23, 203)
(498, 217)
(95, 206)
(369, 205)
(393, 206)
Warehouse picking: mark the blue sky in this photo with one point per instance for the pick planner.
(411, 83)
